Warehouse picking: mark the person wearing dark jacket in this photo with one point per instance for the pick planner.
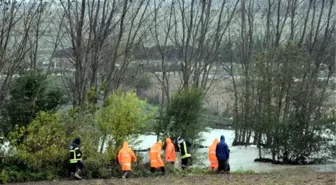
(76, 164)
(183, 146)
(222, 154)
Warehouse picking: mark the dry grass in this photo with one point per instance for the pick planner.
(283, 178)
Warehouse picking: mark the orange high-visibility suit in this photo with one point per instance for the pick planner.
(212, 154)
(155, 155)
(126, 156)
(170, 151)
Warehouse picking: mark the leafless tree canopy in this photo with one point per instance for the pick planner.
(95, 45)
(22, 26)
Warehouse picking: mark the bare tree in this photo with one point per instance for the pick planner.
(272, 81)
(198, 31)
(19, 18)
(102, 35)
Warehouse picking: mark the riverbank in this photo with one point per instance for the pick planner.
(241, 157)
(283, 177)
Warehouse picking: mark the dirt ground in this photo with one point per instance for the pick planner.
(222, 179)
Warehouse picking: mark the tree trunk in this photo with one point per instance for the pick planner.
(103, 143)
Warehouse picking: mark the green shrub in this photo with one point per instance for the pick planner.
(141, 170)
(14, 174)
(4, 177)
(29, 94)
(44, 142)
(96, 168)
(183, 117)
(122, 116)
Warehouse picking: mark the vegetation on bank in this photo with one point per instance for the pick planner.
(283, 106)
(38, 150)
(8, 175)
(39, 140)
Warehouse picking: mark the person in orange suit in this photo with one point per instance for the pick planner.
(212, 155)
(170, 151)
(125, 157)
(155, 157)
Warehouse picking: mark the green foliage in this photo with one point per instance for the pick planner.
(17, 175)
(183, 117)
(96, 167)
(29, 94)
(122, 115)
(40, 151)
(4, 178)
(44, 143)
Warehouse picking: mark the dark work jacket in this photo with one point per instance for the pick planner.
(184, 149)
(75, 146)
(222, 150)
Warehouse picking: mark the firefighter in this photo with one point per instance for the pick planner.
(76, 164)
(184, 150)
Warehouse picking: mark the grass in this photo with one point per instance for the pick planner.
(215, 179)
(201, 176)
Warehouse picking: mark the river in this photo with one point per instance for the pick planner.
(241, 157)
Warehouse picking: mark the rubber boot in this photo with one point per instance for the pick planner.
(124, 176)
(72, 174)
(76, 175)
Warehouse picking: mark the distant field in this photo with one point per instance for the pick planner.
(217, 99)
(219, 96)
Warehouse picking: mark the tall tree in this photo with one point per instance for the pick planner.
(102, 35)
(19, 19)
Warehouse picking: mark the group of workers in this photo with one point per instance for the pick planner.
(218, 155)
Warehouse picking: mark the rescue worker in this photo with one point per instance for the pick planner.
(212, 155)
(170, 151)
(185, 155)
(155, 158)
(223, 154)
(125, 157)
(76, 164)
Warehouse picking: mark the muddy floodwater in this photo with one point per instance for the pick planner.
(241, 157)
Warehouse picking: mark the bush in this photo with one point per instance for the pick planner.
(122, 116)
(141, 170)
(29, 94)
(97, 168)
(44, 142)
(17, 175)
(40, 150)
(4, 177)
(184, 115)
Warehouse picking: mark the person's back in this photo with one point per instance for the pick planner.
(155, 157)
(125, 157)
(222, 154)
(184, 152)
(76, 164)
(212, 155)
(170, 151)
